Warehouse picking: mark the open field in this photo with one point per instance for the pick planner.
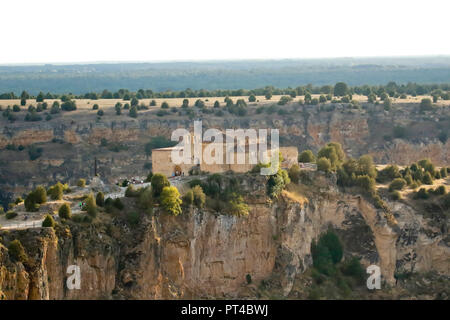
(83, 104)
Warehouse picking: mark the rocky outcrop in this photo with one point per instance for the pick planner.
(201, 254)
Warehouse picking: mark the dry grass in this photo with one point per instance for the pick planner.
(84, 104)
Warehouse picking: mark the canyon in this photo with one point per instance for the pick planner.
(202, 254)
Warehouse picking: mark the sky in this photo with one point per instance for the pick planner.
(55, 31)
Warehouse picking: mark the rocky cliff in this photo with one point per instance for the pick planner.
(203, 254)
(69, 142)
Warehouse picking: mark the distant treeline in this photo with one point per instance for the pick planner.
(392, 89)
(219, 76)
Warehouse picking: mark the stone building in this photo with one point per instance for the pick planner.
(162, 160)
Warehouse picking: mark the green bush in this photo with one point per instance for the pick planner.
(130, 192)
(48, 222)
(10, 215)
(422, 194)
(56, 191)
(306, 156)
(100, 199)
(427, 178)
(389, 173)
(397, 184)
(81, 183)
(443, 172)
(236, 206)
(64, 211)
(277, 183)
(366, 183)
(188, 198)
(145, 200)
(170, 200)
(159, 182)
(199, 196)
(440, 190)
(353, 268)
(89, 206)
(324, 164)
(294, 173)
(395, 195)
(16, 251)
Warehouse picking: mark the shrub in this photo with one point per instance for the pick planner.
(30, 204)
(40, 195)
(100, 113)
(397, 184)
(56, 191)
(90, 207)
(277, 183)
(340, 89)
(158, 183)
(427, 178)
(395, 195)
(354, 269)
(64, 211)
(188, 198)
(145, 200)
(237, 206)
(306, 156)
(68, 105)
(34, 152)
(294, 173)
(81, 183)
(332, 242)
(324, 164)
(100, 199)
(443, 172)
(48, 222)
(10, 215)
(170, 200)
(422, 194)
(199, 196)
(133, 112)
(426, 105)
(440, 190)
(130, 192)
(366, 183)
(16, 251)
(118, 204)
(95, 107)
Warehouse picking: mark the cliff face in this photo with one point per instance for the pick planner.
(200, 254)
(71, 141)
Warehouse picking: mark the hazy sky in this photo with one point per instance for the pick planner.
(86, 31)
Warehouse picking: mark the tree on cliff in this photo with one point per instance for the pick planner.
(56, 191)
(324, 164)
(48, 222)
(90, 207)
(159, 182)
(133, 112)
(64, 211)
(16, 251)
(171, 201)
(306, 156)
(340, 89)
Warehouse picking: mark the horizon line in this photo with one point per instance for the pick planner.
(90, 62)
